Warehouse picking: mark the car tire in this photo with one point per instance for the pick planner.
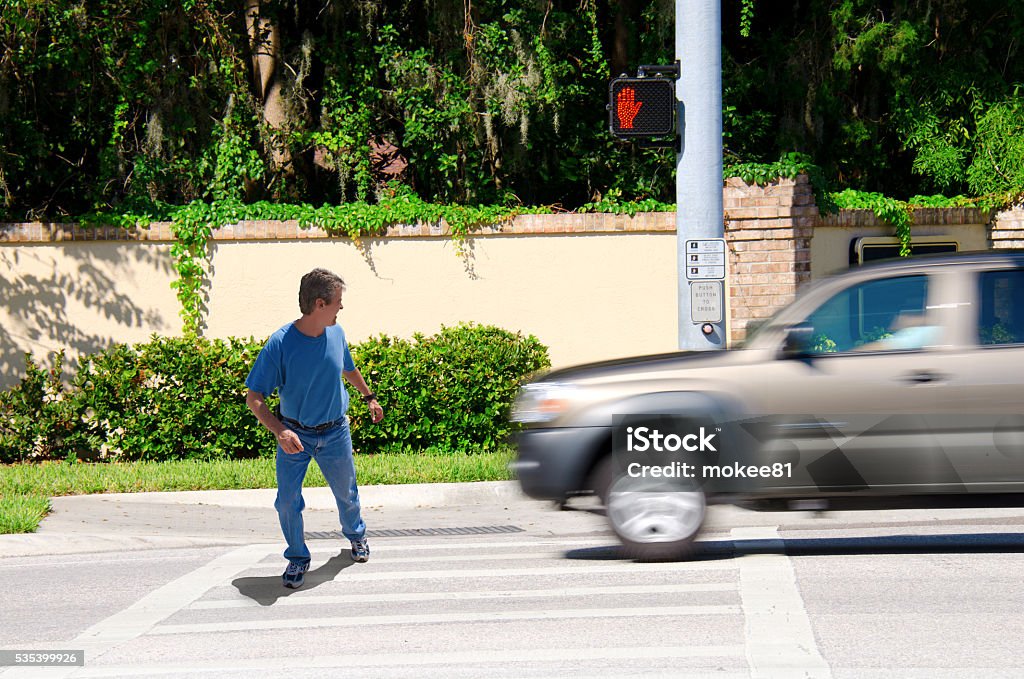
(655, 519)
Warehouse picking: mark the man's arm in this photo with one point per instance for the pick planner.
(286, 438)
(355, 378)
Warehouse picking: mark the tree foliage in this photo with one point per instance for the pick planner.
(121, 104)
(130, 105)
(998, 165)
(886, 96)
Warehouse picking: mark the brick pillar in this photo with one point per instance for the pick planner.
(1006, 230)
(768, 233)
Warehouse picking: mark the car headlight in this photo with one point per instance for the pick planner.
(542, 401)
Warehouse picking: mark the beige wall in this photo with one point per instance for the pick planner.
(586, 296)
(80, 297)
(830, 246)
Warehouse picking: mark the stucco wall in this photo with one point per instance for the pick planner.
(590, 289)
(833, 233)
(80, 297)
(585, 296)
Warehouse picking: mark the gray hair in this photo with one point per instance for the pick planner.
(319, 284)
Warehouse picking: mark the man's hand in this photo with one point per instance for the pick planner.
(289, 442)
(355, 378)
(286, 438)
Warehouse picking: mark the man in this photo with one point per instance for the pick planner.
(305, 361)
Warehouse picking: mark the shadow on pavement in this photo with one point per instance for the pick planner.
(957, 543)
(267, 590)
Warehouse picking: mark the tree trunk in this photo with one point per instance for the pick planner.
(265, 51)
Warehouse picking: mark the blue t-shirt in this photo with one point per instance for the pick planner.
(306, 371)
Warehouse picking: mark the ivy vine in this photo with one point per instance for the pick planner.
(890, 210)
(900, 213)
(746, 17)
(788, 166)
(612, 203)
(897, 213)
(193, 224)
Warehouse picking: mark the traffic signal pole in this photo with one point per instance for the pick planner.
(699, 217)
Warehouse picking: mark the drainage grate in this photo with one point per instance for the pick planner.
(418, 532)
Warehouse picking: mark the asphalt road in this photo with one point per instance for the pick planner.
(545, 593)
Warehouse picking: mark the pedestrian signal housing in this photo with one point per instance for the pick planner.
(642, 107)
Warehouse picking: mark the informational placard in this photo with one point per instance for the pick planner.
(705, 259)
(706, 301)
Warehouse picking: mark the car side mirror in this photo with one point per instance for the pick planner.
(798, 342)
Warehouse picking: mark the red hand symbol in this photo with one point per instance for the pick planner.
(627, 107)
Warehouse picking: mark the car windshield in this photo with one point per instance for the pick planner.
(883, 314)
(858, 317)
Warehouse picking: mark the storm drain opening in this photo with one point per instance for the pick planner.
(418, 532)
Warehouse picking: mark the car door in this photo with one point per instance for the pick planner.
(851, 413)
(982, 402)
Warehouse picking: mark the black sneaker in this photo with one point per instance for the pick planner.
(294, 575)
(360, 551)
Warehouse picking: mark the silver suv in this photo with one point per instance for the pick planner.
(896, 384)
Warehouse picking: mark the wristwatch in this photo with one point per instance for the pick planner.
(370, 397)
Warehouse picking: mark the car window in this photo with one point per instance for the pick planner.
(1002, 307)
(881, 315)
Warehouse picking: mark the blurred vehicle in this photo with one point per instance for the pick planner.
(895, 384)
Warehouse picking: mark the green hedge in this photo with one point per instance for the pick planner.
(184, 398)
(443, 391)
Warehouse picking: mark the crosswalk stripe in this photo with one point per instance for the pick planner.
(779, 637)
(534, 555)
(444, 618)
(582, 569)
(134, 621)
(322, 600)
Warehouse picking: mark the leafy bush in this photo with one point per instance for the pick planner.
(184, 398)
(37, 419)
(444, 390)
(169, 398)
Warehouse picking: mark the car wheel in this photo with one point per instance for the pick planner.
(655, 519)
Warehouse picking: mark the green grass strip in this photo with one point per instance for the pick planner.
(25, 488)
(22, 513)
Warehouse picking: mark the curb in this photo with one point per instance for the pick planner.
(402, 496)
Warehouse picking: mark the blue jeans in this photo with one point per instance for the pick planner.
(332, 450)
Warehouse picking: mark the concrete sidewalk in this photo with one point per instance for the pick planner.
(119, 522)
